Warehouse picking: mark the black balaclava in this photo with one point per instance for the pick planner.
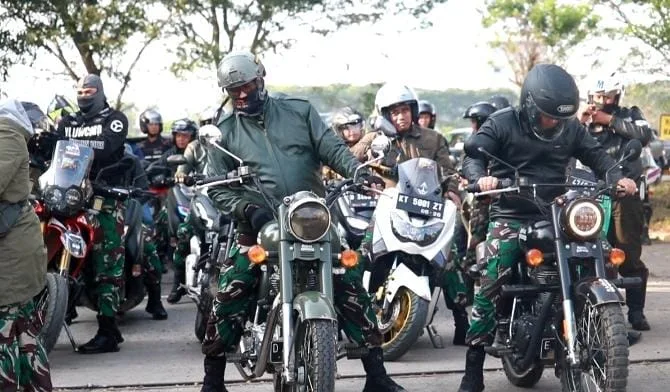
(92, 105)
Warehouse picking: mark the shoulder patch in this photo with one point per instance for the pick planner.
(116, 126)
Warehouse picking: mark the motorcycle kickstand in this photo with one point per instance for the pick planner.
(69, 335)
(434, 336)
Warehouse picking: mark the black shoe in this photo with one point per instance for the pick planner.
(633, 337)
(177, 291)
(154, 304)
(376, 379)
(638, 321)
(382, 384)
(215, 371)
(473, 379)
(461, 324)
(106, 340)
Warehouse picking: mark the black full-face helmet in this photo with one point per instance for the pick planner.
(549, 97)
(479, 112)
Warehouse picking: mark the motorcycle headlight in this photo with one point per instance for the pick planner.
(308, 219)
(583, 219)
(73, 197)
(53, 196)
(407, 231)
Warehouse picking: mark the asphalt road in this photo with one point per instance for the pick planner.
(165, 355)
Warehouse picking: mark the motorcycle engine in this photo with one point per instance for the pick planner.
(522, 330)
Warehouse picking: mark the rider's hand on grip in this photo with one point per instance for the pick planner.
(488, 184)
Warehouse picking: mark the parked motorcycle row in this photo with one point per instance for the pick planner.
(563, 309)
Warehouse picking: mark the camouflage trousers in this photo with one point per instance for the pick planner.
(237, 294)
(478, 221)
(184, 234)
(502, 252)
(23, 361)
(153, 268)
(108, 255)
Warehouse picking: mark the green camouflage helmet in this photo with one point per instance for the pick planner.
(239, 68)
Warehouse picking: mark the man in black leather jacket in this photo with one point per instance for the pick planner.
(613, 126)
(539, 139)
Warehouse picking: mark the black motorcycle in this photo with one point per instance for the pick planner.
(563, 310)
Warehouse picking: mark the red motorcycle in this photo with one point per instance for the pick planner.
(65, 205)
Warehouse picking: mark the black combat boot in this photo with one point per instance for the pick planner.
(461, 324)
(215, 370)
(376, 379)
(154, 304)
(177, 291)
(105, 340)
(473, 379)
(635, 299)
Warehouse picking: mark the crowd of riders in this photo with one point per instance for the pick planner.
(548, 112)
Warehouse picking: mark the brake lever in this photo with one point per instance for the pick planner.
(498, 191)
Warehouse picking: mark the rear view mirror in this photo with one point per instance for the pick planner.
(381, 124)
(176, 160)
(632, 150)
(380, 145)
(209, 134)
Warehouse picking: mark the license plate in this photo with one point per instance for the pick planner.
(276, 351)
(417, 205)
(357, 200)
(547, 348)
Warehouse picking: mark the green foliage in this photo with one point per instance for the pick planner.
(97, 31)
(652, 98)
(532, 32)
(649, 22)
(209, 29)
(450, 104)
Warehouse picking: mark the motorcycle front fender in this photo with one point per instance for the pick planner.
(599, 291)
(405, 277)
(313, 305)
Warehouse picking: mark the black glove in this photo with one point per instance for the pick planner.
(370, 179)
(257, 216)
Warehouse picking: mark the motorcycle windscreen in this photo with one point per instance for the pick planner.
(70, 165)
(61, 185)
(419, 189)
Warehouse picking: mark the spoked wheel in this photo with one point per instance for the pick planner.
(603, 351)
(315, 358)
(402, 324)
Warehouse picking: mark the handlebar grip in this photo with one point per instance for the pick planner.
(502, 183)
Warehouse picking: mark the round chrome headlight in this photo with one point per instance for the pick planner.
(53, 196)
(73, 197)
(308, 219)
(583, 219)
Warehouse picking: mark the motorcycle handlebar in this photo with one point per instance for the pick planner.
(502, 183)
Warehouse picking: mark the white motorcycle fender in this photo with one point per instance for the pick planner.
(190, 262)
(405, 277)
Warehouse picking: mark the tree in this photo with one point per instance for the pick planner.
(532, 32)
(649, 22)
(88, 36)
(208, 29)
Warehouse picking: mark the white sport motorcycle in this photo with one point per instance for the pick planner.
(412, 239)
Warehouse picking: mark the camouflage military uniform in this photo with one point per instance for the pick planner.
(108, 255)
(237, 284)
(502, 251)
(153, 267)
(184, 234)
(23, 360)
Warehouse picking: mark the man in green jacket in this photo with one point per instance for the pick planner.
(284, 141)
(23, 360)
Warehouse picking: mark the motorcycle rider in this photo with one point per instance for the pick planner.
(285, 141)
(613, 126)
(499, 102)
(349, 125)
(399, 105)
(427, 115)
(526, 138)
(154, 146)
(478, 113)
(104, 129)
(183, 132)
(24, 365)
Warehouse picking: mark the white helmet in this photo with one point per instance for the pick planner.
(610, 84)
(393, 94)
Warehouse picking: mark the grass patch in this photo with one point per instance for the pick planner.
(660, 201)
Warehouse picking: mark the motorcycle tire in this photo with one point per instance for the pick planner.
(612, 334)
(316, 356)
(51, 304)
(413, 312)
(526, 379)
